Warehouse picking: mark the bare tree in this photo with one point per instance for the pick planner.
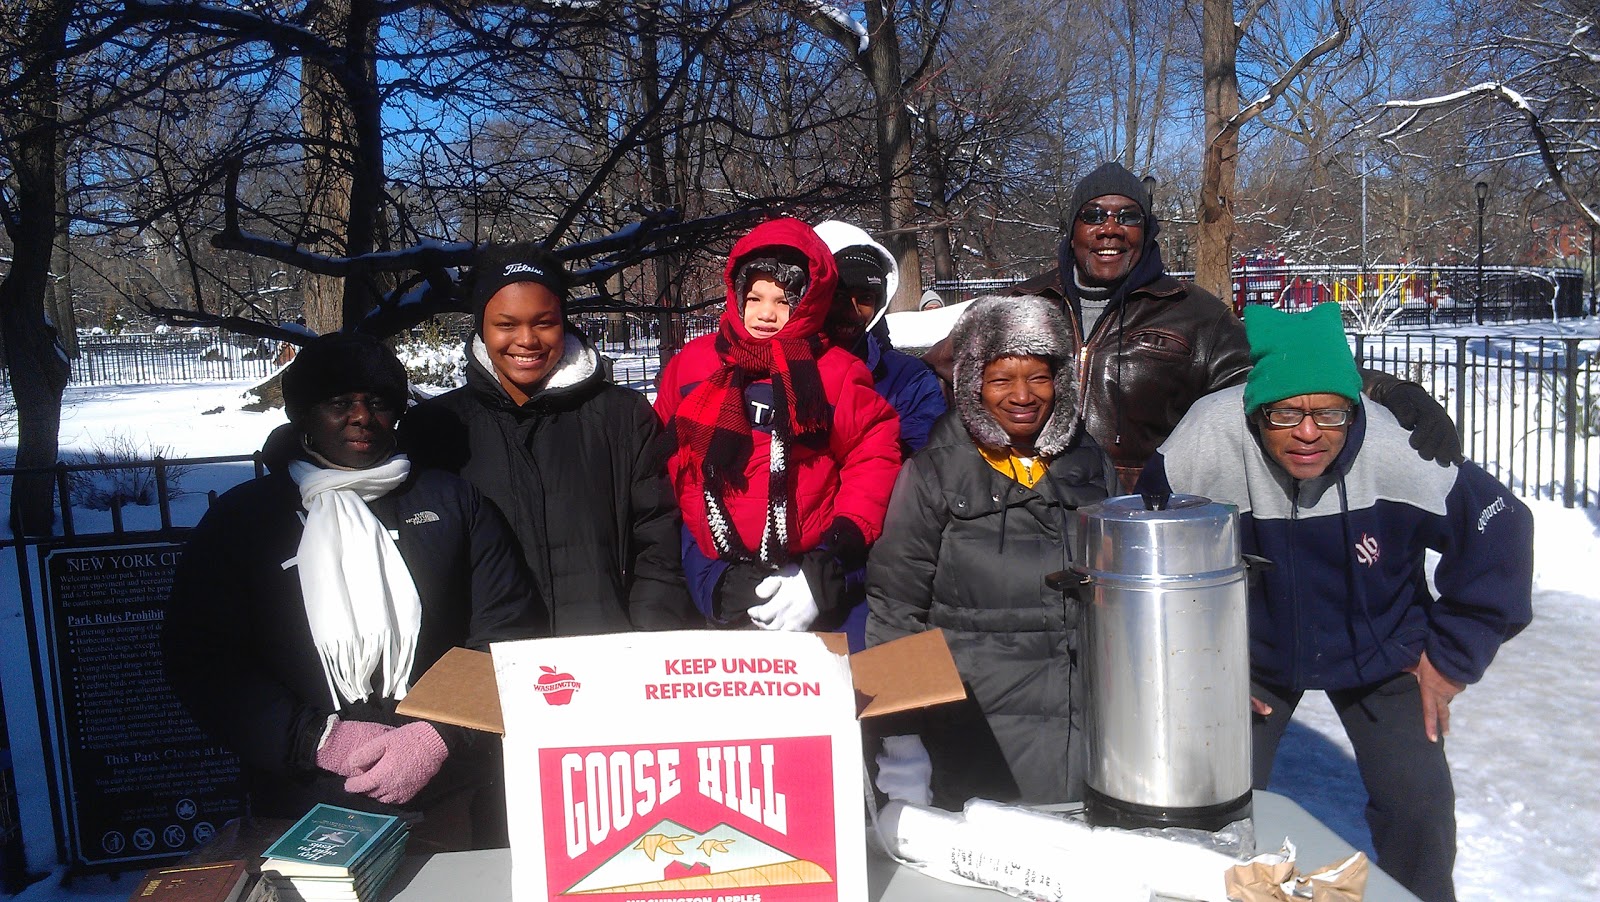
(1536, 98)
(1221, 36)
(35, 34)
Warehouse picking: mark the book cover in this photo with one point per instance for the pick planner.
(374, 859)
(331, 840)
(221, 881)
(366, 884)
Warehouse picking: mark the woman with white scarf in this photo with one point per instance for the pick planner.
(310, 599)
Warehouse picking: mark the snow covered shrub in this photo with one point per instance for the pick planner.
(129, 476)
(259, 349)
(1586, 412)
(433, 353)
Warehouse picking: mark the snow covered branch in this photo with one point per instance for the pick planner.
(1530, 117)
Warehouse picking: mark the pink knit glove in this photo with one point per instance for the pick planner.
(394, 767)
(345, 737)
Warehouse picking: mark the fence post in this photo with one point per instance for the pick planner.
(1461, 394)
(162, 504)
(1570, 417)
(64, 490)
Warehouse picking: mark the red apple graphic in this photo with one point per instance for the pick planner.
(557, 688)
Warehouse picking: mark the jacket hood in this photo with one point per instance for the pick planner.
(579, 370)
(993, 327)
(807, 317)
(839, 235)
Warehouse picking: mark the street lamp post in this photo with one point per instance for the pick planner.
(1594, 272)
(1482, 189)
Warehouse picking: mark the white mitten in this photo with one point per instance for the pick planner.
(905, 772)
(789, 606)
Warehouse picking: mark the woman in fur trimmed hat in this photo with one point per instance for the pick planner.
(310, 599)
(785, 454)
(978, 519)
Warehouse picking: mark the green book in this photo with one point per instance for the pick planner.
(331, 842)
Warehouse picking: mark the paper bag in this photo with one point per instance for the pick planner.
(1274, 878)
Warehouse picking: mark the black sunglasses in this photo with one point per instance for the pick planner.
(1127, 216)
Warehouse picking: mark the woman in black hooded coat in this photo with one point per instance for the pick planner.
(978, 519)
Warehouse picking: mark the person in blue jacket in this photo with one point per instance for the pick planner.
(868, 278)
(1329, 491)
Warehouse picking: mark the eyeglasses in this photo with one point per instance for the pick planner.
(1290, 417)
(1127, 216)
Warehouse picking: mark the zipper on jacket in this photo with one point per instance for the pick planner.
(1295, 675)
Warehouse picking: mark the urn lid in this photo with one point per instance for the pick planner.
(1178, 536)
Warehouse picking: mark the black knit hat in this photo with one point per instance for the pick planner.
(1110, 178)
(861, 268)
(337, 363)
(499, 265)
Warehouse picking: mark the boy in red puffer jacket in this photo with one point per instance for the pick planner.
(784, 453)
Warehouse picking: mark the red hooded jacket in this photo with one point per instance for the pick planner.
(851, 476)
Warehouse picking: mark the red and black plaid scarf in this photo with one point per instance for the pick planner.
(713, 426)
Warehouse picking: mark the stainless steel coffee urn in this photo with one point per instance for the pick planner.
(1166, 662)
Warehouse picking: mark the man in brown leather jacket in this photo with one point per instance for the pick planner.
(1149, 346)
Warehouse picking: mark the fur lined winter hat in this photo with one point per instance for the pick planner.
(993, 327)
(337, 363)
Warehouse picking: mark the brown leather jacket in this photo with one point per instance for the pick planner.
(1170, 344)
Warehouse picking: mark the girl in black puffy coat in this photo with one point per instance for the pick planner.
(574, 461)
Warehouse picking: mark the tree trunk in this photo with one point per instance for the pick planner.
(341, 119)
(944, 264)
(894, 154)
(36, 364)
(669, 329)
(58, 302)
(1215, 230)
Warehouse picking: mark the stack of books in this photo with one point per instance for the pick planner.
(335, 855)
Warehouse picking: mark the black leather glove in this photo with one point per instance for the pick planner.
(826, 567)
(1433, 434)
(735, 593)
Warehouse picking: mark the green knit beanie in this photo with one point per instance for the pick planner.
(1298, 354)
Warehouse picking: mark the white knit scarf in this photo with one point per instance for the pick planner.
(360, 600)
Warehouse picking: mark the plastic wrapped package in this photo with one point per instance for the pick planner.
(1041, 856)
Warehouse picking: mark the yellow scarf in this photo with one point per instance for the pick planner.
(1026, 470)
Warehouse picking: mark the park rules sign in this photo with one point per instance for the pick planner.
(678, 766)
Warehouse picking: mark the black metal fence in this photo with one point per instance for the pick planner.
(1442, 295)
(1527, 409)
(193, 355)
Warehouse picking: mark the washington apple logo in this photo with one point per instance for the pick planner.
(556, 687)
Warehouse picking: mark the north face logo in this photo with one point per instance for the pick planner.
(421, 517)
(1367, 550)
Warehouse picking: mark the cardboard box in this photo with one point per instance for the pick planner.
(709, 765)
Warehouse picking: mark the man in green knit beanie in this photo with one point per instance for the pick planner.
(1329, 491)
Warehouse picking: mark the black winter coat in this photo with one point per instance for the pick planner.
(238, 646)
(967, 549)
(580, 474)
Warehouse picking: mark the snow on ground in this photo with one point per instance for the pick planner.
(1526, 766)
